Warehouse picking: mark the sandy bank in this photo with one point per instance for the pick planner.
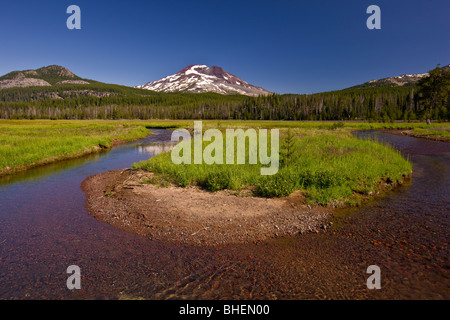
(193, 216)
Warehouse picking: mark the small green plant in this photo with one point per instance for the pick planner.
(182, 180)
(157, 181)
(337, 125)
(287, 149)
(109, 193)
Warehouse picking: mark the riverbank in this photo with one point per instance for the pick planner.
(29, 144)
(435, 134)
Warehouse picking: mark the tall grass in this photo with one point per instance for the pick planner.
(330, 166)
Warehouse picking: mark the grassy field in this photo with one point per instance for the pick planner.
(24, 144)
(324, 173)
(329, 165)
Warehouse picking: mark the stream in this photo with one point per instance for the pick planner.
(44, 229)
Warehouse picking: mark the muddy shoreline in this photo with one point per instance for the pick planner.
(195, 217)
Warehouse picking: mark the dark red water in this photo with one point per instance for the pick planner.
(44, 228)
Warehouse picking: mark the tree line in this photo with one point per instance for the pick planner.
(429, 100)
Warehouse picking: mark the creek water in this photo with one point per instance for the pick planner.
(44, 228)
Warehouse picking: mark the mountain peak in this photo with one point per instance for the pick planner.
(194, 66)
(201, 78)
(42, 77)
(57, 71)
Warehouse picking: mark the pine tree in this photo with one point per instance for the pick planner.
(288, 149)
(434, 90)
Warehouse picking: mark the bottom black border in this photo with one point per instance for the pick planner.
(225, 309)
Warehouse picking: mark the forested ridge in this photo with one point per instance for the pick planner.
(104, 101)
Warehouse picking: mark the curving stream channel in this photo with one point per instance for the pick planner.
(44, 228)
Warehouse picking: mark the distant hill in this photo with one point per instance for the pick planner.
(405, 80)
(56, 82)
(46, 76)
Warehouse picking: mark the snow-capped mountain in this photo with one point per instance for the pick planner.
(201, 78)
(403, 79)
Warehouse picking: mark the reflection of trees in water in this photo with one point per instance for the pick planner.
(155, 149)
(49, 169)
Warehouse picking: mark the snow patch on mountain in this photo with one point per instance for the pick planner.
(201, 78)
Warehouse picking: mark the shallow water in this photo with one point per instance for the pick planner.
(44, 228)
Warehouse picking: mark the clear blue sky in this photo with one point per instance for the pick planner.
(283, 46)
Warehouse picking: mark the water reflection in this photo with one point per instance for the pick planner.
(43, 171)
(154, 149)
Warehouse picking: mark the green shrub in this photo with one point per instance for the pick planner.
(216, 181)
(279, 185)
(337, 125)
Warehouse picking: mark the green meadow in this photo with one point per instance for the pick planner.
(25, 144)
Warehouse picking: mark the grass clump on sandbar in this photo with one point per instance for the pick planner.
(330, 167)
